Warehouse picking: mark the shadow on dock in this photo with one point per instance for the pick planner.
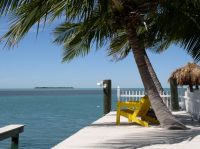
(136, 140)
(153, 135)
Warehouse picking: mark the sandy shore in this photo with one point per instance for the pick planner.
(104, 134)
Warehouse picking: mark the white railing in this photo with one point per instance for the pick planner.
(189, 102)
(135, 95)
(192, 103)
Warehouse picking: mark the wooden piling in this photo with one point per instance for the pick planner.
(15, 139)
(107, 95)
(174, 95)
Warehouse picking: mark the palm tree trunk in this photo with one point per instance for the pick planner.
(153, 74)
(167, 120)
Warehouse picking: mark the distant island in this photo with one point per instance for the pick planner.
(54, 88)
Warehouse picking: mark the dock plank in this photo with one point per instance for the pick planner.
(10, 131)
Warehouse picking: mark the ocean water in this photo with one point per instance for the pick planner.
(50, 116)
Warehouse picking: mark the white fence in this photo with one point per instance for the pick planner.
(192, 103)
(189, 102)
(135, 95)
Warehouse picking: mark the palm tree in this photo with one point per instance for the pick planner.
(97, 18)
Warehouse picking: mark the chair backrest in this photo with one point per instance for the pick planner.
(144, 107)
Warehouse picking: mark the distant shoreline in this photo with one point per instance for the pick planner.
(54, 87)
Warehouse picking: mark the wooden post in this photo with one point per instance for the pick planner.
(15, 142)
(191, 88)
(174, 95)
(118, 93)
(15, 139)
(107, 95)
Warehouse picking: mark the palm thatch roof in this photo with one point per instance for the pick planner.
(187, 75)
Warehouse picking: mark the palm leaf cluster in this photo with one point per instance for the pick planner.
(180, 25)
(173, 22)
(77, 38)
(158, 23)
(86, 21)
(29, 14)
(9, 5)
(102, 26)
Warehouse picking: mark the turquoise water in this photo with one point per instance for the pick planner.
(50, 116)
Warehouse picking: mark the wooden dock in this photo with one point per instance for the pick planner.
(11, 131)
(104, 134)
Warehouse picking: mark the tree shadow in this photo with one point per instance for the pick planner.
(151, 136)
(137, 140)
(188, 120)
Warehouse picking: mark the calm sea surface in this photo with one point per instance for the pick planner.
(50, 116)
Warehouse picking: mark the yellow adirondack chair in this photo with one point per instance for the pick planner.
(135, 111)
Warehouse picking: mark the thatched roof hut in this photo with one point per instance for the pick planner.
(187, 75)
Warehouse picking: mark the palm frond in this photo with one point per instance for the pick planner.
(7, 6)
(77, 38)
(119, 46)
(178, 23)
(29, 14)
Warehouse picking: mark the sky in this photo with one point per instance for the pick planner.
(37, 61)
